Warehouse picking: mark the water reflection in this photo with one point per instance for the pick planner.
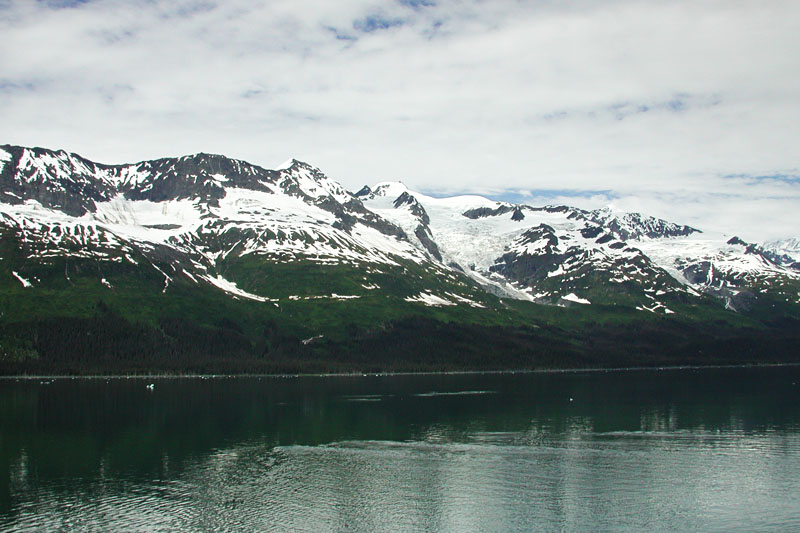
(678, 450)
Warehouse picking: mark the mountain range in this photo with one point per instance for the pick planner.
(206, 263)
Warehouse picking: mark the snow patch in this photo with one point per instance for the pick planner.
(231, 288)
(167, 279)
(333, 296)
(25, 282)
(658, 307)
(311, 339)
(429, 299)
(145, 220)
(105, 282)
(572, 297)
(464, 300)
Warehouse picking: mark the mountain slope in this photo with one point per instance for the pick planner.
(203, 255)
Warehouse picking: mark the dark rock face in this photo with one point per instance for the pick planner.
(741, 301)
(56, 180)
(698, 272)
(415, 207)
(364, 191)
(526, 268)
(518, 215)
(482, 212)
(590, 232)
(425, 237)
(735, 300)
(455, 266)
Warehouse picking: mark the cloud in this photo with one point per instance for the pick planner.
(62, 4)
(677, 105)
(376, 22)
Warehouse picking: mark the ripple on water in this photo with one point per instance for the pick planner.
(474, 463)
(488, 482)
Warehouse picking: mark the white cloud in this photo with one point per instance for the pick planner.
(652, 100)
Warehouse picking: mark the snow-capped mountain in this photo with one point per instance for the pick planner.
(192, 218)
(227, 225)
(560, 254)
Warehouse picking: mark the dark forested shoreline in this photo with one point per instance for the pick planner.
(109, 344)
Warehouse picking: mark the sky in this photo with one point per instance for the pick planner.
(681, 109)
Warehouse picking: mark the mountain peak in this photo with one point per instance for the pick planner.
(363, 191)
(293, 163)
(285, 165)
(389, 189)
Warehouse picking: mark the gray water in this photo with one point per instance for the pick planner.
(715, 449)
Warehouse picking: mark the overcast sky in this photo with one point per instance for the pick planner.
(688, 110)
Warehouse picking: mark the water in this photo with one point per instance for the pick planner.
(715, 449)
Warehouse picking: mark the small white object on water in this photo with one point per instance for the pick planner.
(151, 386)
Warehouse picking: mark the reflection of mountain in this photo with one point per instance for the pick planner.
(303, 453)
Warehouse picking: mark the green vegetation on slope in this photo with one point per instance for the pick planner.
(110, 315)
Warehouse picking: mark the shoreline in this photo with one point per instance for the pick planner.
(394, 374)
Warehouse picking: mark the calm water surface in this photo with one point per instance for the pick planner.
(715, 449)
